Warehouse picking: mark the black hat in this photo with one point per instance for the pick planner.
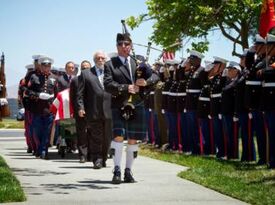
(123, 37)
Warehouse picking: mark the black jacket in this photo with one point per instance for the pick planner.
(92, 97)
(117, 78)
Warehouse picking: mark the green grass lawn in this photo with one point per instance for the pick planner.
(244, 181)
(10, 189)
(11, 123)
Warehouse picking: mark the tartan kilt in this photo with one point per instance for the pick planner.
(130, 129)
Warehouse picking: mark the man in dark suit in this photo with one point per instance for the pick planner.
(121, 81)
(82, 141)
(95, 105)
(63, 81)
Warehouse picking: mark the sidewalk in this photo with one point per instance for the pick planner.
(66, 181)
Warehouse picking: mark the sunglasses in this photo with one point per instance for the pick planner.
(125, 43)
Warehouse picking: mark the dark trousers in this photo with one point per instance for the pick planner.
(162, 125)
(205, 142)
(220, 140)
(193, 131)
(106, 139)
(186, 144)
(99, 138)
(172, 136)
(81, 134)
(259, 128)
(42, 128)
(248, 145)
(231, 133)
(270, 119)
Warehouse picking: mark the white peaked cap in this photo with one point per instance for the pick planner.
(197, 54)
(29, 66)
(219, 59)
(45, 60)
(233, 64)
(208, 65)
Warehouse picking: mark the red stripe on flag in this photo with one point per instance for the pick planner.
(267, 17)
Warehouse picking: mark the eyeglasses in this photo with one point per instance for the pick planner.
(125, 43)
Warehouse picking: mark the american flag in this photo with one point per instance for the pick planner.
(168, 56)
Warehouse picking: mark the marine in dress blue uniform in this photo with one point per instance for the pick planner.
(41, 91)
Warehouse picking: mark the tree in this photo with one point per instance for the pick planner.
(179, 19)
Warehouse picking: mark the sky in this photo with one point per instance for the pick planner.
(72, 30)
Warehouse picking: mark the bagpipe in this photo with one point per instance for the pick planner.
(144, 70)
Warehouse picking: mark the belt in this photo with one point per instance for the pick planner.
(218, 95)
(248, 82)
(181, 94)
(268, 84)
(152, 93)
(204, 99)
(165, 92)
(193, 90)
(173, 94)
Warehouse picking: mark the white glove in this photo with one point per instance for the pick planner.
(162, 111)
(235, 119)
(220, 116)
(3, 101)
(22, 111)
(250, 116)
(209, 117)
(45, 96)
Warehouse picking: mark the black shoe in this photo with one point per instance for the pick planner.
(261, 162)
(44, 156)
(128, 176)
(98, 164)
(82, 159)
(117, 176)
(104, 163)
(29, 150)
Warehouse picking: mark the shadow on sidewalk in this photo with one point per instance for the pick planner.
(33, 172)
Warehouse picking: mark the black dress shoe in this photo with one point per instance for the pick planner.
(104, 164)
(82, 159)
(117, 176)
(261, 162)
(128, 176)
(98, 164)
(29, 150)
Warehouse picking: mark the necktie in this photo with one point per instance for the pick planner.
(100, 71)
(126, 63)
(70, 78)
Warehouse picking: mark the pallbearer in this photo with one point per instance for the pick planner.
(41, 93)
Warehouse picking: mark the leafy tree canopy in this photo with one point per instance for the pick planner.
(179, 19)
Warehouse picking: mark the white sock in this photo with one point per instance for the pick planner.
(131, 150)
(118, 147)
